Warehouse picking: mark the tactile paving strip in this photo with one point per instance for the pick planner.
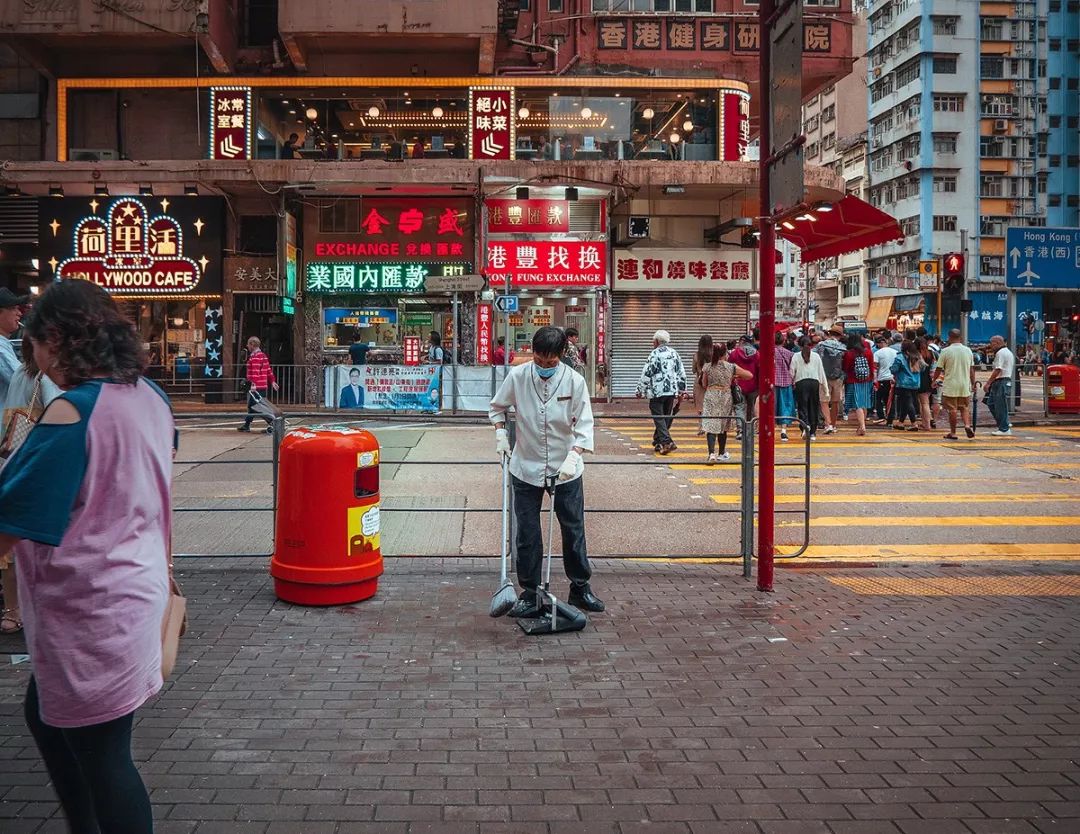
(972, 586)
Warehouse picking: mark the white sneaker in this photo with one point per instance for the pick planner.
(783, 435)
(828, 430)
(813, 437)
(724, 456)
(711, 460)
(1002, 433)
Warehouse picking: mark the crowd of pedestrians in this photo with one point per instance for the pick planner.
(899, 380)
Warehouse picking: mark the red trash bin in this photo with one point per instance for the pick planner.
(327, 549)
(1063, 389)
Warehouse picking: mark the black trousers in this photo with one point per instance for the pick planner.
(252, 413)
(907, 405)
(661, 408)
(570, 510)
(881, 401)
(93, 775)
(808, 403)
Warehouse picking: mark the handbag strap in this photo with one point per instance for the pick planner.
(35, 396)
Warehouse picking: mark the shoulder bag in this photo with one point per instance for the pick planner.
(18, 422)
(737, 395)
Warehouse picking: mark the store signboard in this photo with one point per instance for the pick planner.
(288, 256)
(388, 279)
(734, 115)
(601, 327)
(691, 270)
(528, 216)
(143, 246)
(231, 123)
(384, 387)
(245, 274)
(547, 263)
(491, 123)
(455, 283)
(411, 350)
(484, 333)
(363, 317)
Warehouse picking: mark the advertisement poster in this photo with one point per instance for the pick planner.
(383, 387)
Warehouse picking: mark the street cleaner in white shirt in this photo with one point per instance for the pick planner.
(554, 428)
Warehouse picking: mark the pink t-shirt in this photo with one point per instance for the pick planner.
(91, 502)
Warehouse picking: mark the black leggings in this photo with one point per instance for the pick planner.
(907, 405)
(711, 439)
(92, 773)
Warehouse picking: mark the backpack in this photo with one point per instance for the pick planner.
(862, 368)
(832, 360)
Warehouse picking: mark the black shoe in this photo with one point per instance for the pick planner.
(584, 598)
(527, 608)
(269, 429)
(243, 428)
(672, 447)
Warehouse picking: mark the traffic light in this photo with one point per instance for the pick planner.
(953, 272)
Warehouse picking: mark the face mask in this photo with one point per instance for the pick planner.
(545, 373)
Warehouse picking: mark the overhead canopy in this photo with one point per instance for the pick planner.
(908, 303)
(877, 315)
(852, 224)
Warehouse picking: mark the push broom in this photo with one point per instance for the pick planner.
(505, 597)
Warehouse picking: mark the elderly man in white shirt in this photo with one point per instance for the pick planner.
(554, 427)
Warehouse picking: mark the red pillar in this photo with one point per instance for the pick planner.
(767, 324)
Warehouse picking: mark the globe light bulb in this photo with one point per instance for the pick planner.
(373, 112)
(586, 113)
(648, 113)
(688, 125)
(437, 112)
(312, 113)
(523, 113)
(675, 138)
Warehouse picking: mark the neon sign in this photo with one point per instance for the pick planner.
(230, 123)
(390, 279)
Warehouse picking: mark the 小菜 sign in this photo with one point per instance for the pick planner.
(718, 270)
(386, 278)
(547, 263)
(134, 245)
(491, 123)
(231, 123)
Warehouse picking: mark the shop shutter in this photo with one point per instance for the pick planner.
(686, 316)
(584, 216)
(18, 220)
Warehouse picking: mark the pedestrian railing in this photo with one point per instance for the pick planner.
(744, 509)
(297, 384)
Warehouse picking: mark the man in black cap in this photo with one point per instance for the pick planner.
(10, 316)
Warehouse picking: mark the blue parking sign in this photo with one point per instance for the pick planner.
(1042, 259)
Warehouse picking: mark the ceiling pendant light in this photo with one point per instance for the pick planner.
(437, 112)
(373, 112)
(675, 138)
(312, 113)
(688, 125)
(648, 113)
(523, 113)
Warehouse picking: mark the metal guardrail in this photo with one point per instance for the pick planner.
(747, 464)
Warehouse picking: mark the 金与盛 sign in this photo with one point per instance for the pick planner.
(484, 331)
(528, 216)
(428, 229)
(230, 123)
(391, 279)
(547, 263)
(719, 270)
(134, 245)
(491, 123)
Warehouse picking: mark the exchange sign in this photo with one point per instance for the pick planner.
(547, 263)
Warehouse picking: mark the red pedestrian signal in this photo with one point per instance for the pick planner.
(953, 269)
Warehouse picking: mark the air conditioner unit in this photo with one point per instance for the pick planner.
(1000, 125)
(92, 155)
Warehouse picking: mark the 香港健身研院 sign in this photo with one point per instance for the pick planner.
(1040, 258)
(710, 35)
(691, 270)
(547, 263)
(390, 279)
(149, 246)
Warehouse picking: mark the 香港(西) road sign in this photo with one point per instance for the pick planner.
(928, 275)
(506, 303)
(1042, 259)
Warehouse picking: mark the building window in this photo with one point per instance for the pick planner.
(993, 28)
(555, 5)
(992, 265)
(991, 186)
(944, 222)
(992, 66)
(945, 65)
(340, 216)
(945, 25)
(945, 185)
(258, 22)
(523, 5)
(948, 103)
(910, 226)
(910, 72)
(944, 143)
(829, 113)
(829, 141)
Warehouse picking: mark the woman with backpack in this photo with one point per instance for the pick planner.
(859, 378)
(907, 371)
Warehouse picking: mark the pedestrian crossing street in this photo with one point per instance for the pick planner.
(909, 496)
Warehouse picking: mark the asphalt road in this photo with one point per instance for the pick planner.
(887, 497)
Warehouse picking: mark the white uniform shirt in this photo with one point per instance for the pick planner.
(1005, 362)
(552, 417)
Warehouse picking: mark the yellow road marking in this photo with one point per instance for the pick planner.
(1051, 464)
(973, 550)
(941, 521)
(782, 480)
(951, 586)
(937, 498)
(907, 466)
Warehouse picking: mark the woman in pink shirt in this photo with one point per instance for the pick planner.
(86, 504)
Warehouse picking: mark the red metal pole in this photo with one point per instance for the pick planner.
(767, 305)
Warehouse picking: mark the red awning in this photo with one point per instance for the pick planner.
(851, 225)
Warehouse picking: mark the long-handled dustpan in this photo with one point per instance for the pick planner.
(555, 616)
(504, 598)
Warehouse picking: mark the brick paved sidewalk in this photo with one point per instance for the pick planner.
(694, 705)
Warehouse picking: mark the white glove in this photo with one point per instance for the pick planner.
(502, 443)
(572, 467)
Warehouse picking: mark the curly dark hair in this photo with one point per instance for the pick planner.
(90, 335)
